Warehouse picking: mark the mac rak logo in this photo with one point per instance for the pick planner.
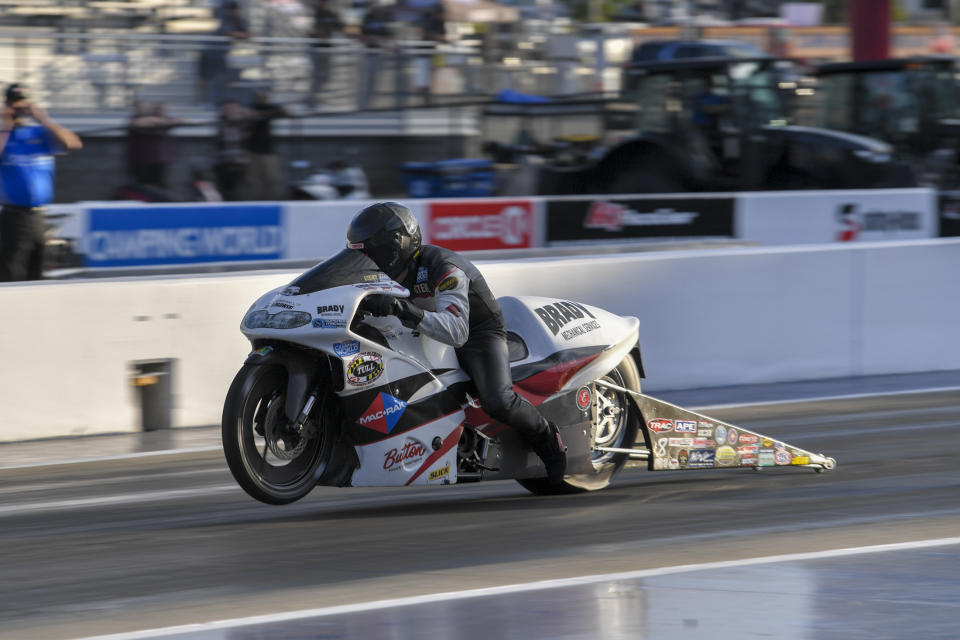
(383, 413)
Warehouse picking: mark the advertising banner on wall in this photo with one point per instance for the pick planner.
(836, 216)
(949, 214)
(602, 219)
(148, 235)
(476, 225)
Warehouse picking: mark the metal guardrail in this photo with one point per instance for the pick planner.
(93, 72)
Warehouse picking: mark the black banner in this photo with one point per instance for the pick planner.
(949, 214)
(604, 219)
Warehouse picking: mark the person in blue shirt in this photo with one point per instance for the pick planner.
(26, 181)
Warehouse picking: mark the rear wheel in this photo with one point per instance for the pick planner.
(617, 424)
(268, 458)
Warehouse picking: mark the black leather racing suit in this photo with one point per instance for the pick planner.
(460, 310)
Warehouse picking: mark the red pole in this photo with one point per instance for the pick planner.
(870, 29)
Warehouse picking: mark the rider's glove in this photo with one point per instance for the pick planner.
(381, 305)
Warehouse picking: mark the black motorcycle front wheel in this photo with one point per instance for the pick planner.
(268, 458)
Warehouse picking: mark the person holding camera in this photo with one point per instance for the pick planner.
(26, 181)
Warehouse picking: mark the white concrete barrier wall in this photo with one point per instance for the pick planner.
(708, 318)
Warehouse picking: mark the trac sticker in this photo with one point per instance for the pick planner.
(584, 398)
(364, 368)
(448, 283)
(660, 425)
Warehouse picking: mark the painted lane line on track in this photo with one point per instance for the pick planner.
(119, 456)
(103, 501)
(540, 585)
(848, 396)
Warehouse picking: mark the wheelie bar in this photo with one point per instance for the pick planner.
(684, 439)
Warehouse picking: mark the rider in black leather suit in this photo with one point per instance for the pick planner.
(451, 302)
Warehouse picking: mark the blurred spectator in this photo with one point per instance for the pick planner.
(326, 25)
(433, 30)
(213, 58)
(374, 34)
(263, 171)
(26, 182)
(231, 160)
(150, 147)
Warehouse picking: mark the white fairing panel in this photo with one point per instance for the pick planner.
(550, 326)
(410, 457)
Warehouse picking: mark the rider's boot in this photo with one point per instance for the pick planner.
(551, 450)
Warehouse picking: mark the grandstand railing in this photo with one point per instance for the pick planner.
(96, 72)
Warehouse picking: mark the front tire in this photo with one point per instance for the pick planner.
(269, 460)
(617, 425)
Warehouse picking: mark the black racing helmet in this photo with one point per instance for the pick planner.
(388, 233)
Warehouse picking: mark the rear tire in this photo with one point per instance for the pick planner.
(617, 425)
(270, 462)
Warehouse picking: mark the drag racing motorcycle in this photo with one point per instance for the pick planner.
(330, 395)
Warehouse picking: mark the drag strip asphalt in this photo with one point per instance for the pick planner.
(125, 545)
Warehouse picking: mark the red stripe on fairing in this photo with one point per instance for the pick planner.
(541, 386)
(448, 443)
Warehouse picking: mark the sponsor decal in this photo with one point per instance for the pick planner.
(750, 450)
(586, 327)
(702, 458)
(612, 216)
(347, 348)
(680, 442)
(720, 434)
(442, 472)
(661, 463)
(674, 463)
(767, 442)
(800, 460)
(853, 222)
(749, 438)
(371, 277)
(422, 289)
(262, 351)
(282, 304)
(584, 398)
(423, 274)
(290, 291)
(683, 458)
(383, 413)
(480, 224)
(146, 235)
(702, 443)
(685, 426)
(602, 220)
(766, 459)
(660, 425)
(330, 309)
(327, 323)
(705, 429)
(364, 368)
(732, 435)
(557, 315)
(406, 457)
(726, 456)
(782, 457)
(448, 284)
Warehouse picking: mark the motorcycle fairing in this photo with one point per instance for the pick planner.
(683, 439)
(426, 454)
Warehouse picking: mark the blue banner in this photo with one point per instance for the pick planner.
(135, 236)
